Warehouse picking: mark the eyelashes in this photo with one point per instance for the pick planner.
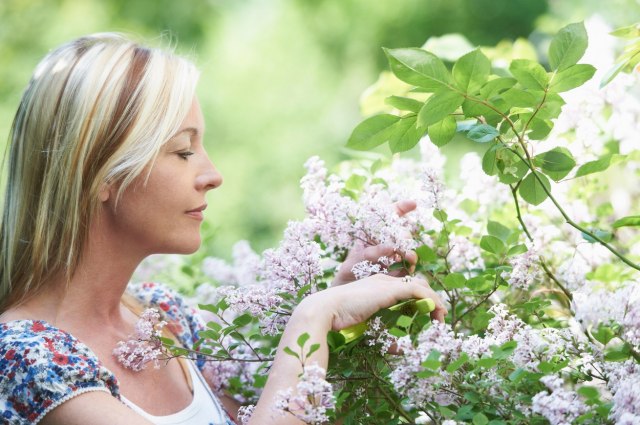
(185, 154)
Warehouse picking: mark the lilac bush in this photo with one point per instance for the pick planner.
(534, 249)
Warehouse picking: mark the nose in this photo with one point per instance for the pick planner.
(209, 178)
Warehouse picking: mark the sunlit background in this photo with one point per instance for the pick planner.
(281, 79)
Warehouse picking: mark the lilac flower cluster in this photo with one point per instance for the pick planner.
(379, 335)
(559, 405)
(244, 414)
(367, 268)
(533, 347)
(525, 269)
(311, 399)
(145, 345)
(341, 222)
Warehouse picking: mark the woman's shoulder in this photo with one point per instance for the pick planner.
(44, 366)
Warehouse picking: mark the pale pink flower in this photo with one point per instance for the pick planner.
(525, 269)
(245, 413)
(312, 399)
(559, 405)
(366, 268)
(145, 346)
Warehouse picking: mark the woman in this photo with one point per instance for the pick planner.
(106, 167)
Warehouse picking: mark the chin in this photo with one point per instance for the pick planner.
(188, 247)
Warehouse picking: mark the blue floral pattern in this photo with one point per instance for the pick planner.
(43, 366)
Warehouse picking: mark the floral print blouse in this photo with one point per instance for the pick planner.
(41, 366)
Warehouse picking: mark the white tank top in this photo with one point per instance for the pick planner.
(204, 409)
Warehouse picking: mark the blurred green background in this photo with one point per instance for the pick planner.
(281, 79)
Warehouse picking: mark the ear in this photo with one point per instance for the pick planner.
(105, 192)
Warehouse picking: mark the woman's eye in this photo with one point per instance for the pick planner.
(185, 154)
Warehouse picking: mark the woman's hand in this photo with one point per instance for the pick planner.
(334, 308)
(350, 304)
(373, 253)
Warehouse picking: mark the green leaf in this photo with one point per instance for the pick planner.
(446, 412)
(568, 46)
(596, 166)
(630, 31)
(492, 244)
(530, 74)
(517, 375)
(539, 129)
(426, 254)
(522, 98)
(532, 191)
(335, 340)
(498, 230)
(572, 77)
(457, 364)
(504, 351)
(603, 235)
(433, 360)
(517, 250)
(439, 106)
(442, 132)
(169, 342)
(404, 321)
(486, 363)
(603, 334)
(556, 163)
(214, 325)
(551, 108)
(489, 163)
(512, 168)
(631, 220)
(471, 71)
(372, 132)
(397, 332)
(589, 392)
(209, 307)
(404, 134)
(618, 353)
(480, 419)
(419, 67)
(290, 352)
(482, 133)
(313, 349)
(355, 182)
(454, 281)
(243, 320)
(302, 339)
(404, 103)
(440, 215)
(497, 86)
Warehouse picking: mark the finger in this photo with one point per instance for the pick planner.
(405, 206)
(412, 258)
(373, 253)
(440, 312)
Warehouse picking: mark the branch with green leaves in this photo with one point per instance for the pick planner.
(507, 109)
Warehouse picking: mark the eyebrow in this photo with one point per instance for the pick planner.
(194, 132)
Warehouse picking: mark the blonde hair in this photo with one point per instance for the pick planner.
(96, 111)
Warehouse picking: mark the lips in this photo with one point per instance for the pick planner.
(196, 213)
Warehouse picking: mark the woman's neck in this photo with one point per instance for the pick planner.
(94, 291)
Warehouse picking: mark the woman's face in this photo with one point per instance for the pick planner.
(164, 214)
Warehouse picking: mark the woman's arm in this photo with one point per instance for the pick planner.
(96, 408)
(333, 309)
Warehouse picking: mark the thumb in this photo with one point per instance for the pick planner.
(405, 206)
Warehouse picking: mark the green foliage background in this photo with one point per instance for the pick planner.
(281, 79)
